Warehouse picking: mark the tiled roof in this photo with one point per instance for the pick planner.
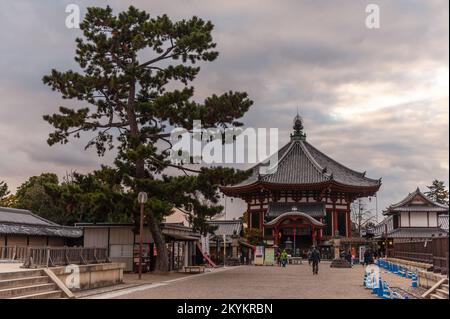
(424, 205)
(312, 209)
(300, 163)
(23, 222)
(22, 216)
(226, 227)
(294, 213)
(417, 232)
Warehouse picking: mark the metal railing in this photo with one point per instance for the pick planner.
(62, 256)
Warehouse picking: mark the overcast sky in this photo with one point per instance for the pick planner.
(376, 100)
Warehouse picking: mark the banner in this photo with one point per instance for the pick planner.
(205, 244)
(362, 250)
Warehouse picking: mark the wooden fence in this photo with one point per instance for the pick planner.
(13, 253)
(434, 251)
(61, 256)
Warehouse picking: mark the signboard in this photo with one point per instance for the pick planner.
(362, 250)
(269, 256)
(205, 244)
(259, 255)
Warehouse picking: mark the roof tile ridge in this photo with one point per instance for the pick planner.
(316, 165)
(280, 160)
(361, 174)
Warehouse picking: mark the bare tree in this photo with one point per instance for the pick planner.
(362, 217)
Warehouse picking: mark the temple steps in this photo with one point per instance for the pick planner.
(33, 284)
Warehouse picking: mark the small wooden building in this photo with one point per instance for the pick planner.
(122, 242)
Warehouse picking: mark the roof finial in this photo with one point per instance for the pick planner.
(298, 128)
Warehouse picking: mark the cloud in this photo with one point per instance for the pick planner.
(374, 99)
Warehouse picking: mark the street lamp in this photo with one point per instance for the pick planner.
(142, 198)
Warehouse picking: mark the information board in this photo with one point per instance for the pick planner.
(269, 256)
(259, 255)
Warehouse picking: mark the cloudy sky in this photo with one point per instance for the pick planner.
(374, 99)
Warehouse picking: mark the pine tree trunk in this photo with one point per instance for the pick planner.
(162, 260)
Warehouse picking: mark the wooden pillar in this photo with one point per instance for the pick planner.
(335, 219)
(349, 221)
(313, 232)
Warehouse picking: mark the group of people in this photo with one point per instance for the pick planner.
(369, 257)
(313, 258)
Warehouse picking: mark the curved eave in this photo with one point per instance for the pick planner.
(287, 215)
(332, 184)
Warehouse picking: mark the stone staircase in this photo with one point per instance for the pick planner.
(28, 284)
(441, 292)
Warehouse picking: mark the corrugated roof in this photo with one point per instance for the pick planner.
(312, 209)
(23, 222)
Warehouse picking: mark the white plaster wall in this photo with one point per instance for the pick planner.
(404, 219)
(419, 219)
(433, 219)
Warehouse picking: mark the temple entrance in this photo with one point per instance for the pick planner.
(296, 240)
(295, 231)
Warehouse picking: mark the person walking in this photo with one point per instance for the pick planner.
(348, 257)
(309, 256)
(284, 258)
(315, 260)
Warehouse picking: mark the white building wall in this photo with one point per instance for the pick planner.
(404, 219)
(418, 219)
(433, 220)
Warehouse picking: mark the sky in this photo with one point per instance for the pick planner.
(375, 99)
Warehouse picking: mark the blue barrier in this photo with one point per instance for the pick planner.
(414, 281)
(380, 291)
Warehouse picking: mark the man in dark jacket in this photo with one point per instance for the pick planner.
(315, 260)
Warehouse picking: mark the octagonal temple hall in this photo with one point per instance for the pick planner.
(305, 198)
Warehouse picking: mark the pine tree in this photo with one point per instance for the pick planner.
(135, 80)
(438, 192)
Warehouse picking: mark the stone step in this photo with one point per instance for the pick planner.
(26, 290)
(442, 293)
(42, 295)
(20, 274)
(435, 296)
(21, 282)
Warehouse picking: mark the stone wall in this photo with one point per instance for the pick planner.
(90, 276)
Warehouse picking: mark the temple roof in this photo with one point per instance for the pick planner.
(300, 163)
(294, 213)
(312, 209)
(416, 202)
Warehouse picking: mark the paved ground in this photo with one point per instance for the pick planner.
(295, 281)
(11, 267)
